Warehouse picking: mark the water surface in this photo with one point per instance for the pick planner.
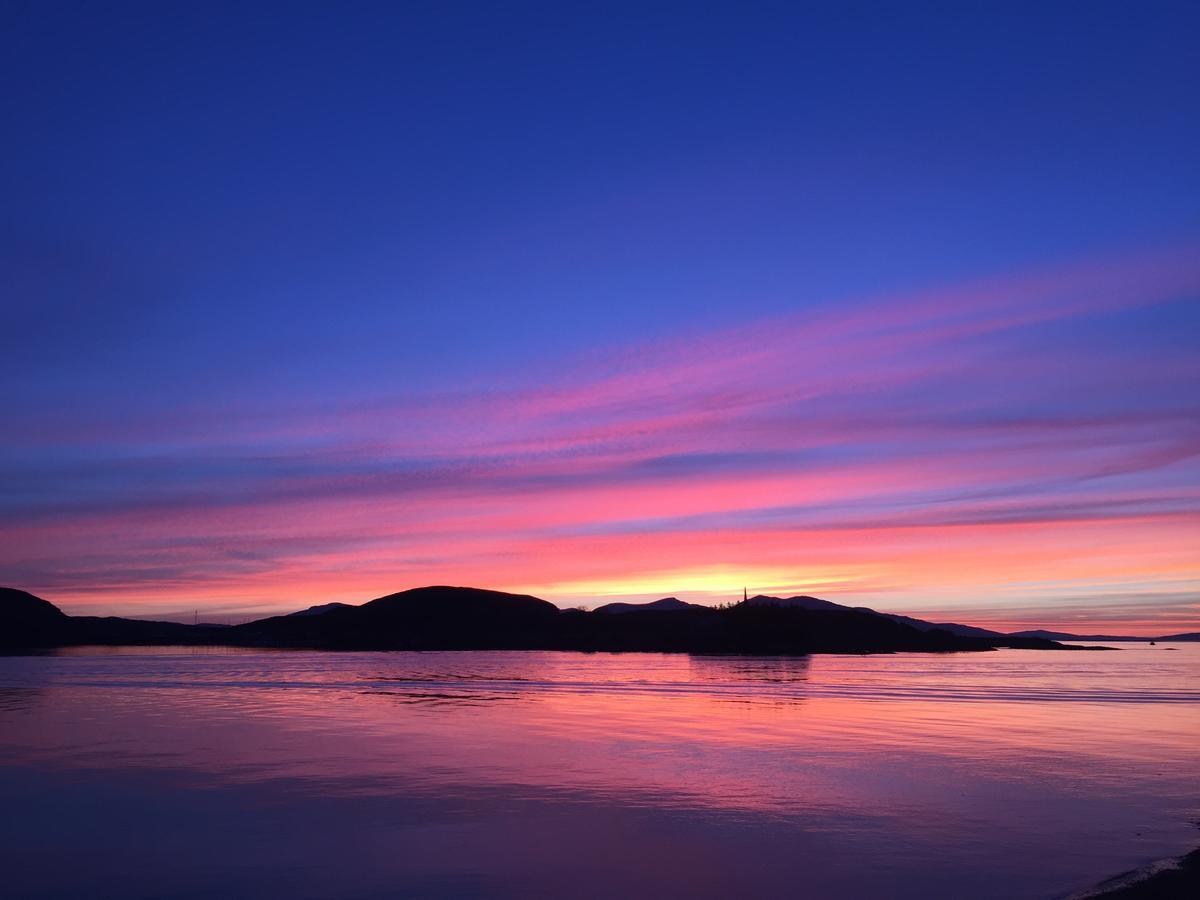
(182, 772)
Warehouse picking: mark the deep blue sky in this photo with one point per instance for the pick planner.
(321, 193)
(228, 233)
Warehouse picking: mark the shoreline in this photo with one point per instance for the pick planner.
(45, 649)
(1176, 878)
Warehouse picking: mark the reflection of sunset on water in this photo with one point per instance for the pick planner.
(541, 765)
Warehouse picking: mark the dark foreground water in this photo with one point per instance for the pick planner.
(226, 773)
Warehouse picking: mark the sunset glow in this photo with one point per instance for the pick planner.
(995, 451)
(623, 451)
(897, 307)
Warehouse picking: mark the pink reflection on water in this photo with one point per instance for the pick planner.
(1038, 772)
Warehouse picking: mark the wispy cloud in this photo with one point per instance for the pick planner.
(943, 445)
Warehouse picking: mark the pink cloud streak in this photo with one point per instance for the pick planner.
(880, 443)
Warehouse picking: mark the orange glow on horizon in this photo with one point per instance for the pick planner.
(897, 452)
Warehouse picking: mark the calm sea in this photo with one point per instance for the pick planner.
(176, 772)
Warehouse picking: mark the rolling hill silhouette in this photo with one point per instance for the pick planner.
(428, 618)
(806, 602)
(463, 618)
(26, 620)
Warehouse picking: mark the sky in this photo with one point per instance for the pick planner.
(893, 304)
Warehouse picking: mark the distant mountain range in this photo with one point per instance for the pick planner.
(1065, 636)
(462, 618)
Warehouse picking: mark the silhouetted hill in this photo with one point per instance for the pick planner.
(800, 602)
(461, 618)
(28, 621)
(806, 602)
(443, 618)
(664, 605)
